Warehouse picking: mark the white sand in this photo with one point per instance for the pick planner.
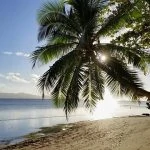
(130, 133)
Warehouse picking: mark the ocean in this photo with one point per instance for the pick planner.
(19, 117)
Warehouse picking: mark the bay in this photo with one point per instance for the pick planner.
(19, 117)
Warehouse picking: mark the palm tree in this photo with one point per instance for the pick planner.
(84, 66)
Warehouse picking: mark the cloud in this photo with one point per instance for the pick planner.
(7, 53)
(1, 75)
(2, 87)
(35, 78)
(17, 54)
(12, 73)
(14, 77)
(26, 55)
(22, 54)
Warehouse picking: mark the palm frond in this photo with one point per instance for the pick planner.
(62, 37)
(49, 52)
(118, 74)
(139, 58)
(86, 10)
(72, 95)
(72, 30)
(59, 92)
(93, 87)
(53, 17)
(89, 94)
(50, 77)
(99, 81)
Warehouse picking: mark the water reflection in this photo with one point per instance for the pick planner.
(19, 117)
(105, 109)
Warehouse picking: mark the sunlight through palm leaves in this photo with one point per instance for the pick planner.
(84, 65)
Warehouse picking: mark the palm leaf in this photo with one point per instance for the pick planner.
(49, 52)
(53, 17)
(59, 92)
(93, 87)
(50, 77)
(72, 95)
(72, 30)
(117, 72)
(139, 58)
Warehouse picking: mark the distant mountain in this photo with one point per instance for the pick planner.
(19, 96)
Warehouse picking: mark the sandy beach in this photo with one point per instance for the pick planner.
(127, 133)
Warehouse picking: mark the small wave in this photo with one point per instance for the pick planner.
(24, 104)
(39, 118)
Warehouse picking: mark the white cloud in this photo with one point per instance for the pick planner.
(7, 53)
(1, 75)
(22, 54)
(17, 54)
(2, 87)
(14, 77)
(12, 73)
(35, 78)
(26, 55)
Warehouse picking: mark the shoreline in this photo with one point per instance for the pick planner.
(43, 132)
(110, 134)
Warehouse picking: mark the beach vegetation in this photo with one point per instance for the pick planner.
(84, 64)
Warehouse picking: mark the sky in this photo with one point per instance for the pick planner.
(18, 38)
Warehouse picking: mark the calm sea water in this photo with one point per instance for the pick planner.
(20, 117)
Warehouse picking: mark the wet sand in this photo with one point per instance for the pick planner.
(128, 133)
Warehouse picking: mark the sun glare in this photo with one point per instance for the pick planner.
(105, 108)
(101, 57)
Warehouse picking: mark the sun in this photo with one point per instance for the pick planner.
(105, 108)
(101, 57)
